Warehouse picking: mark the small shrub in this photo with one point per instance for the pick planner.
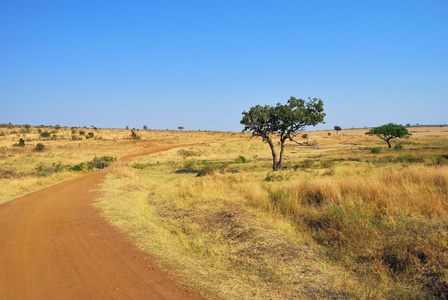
(79, 167)
(39, 147)
(376, 150)
(82, 132)
(241, 160)
(90, 134)
(46, 171)
(73, 131)
(21, 143)
(45, 134)
(398, 147)
(209, 169)
(100, 163)
(134, 135)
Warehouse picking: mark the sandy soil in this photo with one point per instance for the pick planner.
(55, 245)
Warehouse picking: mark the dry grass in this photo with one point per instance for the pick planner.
(19, 165)
(338, 222)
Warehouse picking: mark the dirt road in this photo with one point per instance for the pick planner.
(55, 245)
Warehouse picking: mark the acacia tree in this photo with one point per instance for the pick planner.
(287, 121)
(337, 128)
(389, 131)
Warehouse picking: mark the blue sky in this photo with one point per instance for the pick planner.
(199, 64)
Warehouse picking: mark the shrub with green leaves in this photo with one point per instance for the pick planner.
(79, 167)
(241, 160)
(39, 147)
(43, 171)
(100, 162)
(376, 150)
(45, 134)
(21, 143)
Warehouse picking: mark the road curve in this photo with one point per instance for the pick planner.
(55, 245)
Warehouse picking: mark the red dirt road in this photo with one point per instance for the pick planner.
(55, 245)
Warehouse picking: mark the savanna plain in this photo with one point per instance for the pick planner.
(346, 218)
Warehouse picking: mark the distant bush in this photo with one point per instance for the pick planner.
(73, 131)
(21, 143)
(134, 135)
(375, 150)
(90, 134)
(241, 160)
(46, 171)
(45, 134)
(82, 132)
(398, 147)
(79, 167)
(100, 162)
(39, 147)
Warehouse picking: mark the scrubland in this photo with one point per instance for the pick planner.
(338, 222)
(24, 169)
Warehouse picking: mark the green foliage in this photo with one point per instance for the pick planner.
(90, 135)
(286, 120)
(145, 127)
(57, 127)
(45, 134)
(376, 150)
(100, 162)
(180, 128)
(337, 128)
(21, 143)
(389, 131)
(79, 167)
(39, 147)
(241, 160)
(82, 132)
(43, 171)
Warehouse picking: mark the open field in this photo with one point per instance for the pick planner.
(339, 221)
(24, 170)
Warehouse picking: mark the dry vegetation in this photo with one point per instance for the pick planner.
(24, 169)
(338, 222)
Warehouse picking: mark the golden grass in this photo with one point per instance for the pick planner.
(18, 165)
(338, 222)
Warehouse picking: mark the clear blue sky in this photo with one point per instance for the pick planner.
(199, 64)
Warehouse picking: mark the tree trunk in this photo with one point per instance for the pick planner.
(274, 155)
(282, 149)
(388, 143)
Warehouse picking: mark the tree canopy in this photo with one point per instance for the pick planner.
(389, 131)
(286, 120)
